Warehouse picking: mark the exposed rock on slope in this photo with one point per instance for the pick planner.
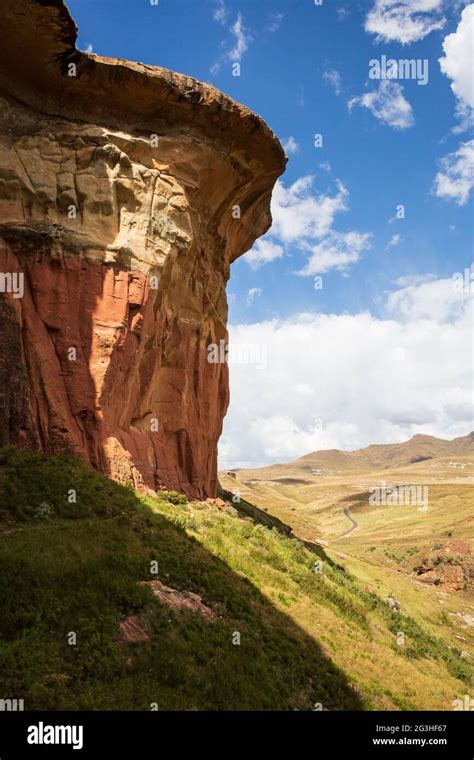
(117, 188)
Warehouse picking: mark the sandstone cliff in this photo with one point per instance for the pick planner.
(117, 188)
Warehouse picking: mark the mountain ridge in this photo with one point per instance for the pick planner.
(375, 456)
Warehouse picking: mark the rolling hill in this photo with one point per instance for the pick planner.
(375, 457)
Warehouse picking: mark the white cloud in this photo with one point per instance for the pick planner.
(241, 40)
(433, 300)
(388, 104)
(394, 240)
(305, 219)
(334, 79)
(274, 22)
(404, 21)
(465, 117)
(342, 13)
(290, 146)
(299, 213)
(252, 294)
(456, 178)
(336, 251)
(263, 252)
(414, 279)
(457, 62)
(220, 12)
(89, 48)
(345, 381)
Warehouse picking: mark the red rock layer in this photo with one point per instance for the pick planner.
(139, 402)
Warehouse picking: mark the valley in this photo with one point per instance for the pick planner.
(417, 551)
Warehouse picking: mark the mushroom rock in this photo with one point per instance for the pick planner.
(119, 184)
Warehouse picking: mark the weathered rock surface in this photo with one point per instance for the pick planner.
(131, 630)
(179, 600)
(449, 577)
(118, 186)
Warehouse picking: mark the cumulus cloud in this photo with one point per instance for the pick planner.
(333, 78)
(299, 213)
(434, 300)
(290, 146)
(345, 381)
(457, 65)
(388, 104)
(464, 116)
(457, 60)
(336, 251)
(263, 252)
(456, 178)
(303, 218)
(404, 21)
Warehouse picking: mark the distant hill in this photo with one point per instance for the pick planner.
(375, 457)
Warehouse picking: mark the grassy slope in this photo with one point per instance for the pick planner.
(305, 637)
(390, 541)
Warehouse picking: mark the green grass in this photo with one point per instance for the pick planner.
(306, 637)
(77, 568)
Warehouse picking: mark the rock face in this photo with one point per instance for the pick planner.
(179, 600)
(120, 191)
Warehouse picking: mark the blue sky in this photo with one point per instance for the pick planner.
(305, 69)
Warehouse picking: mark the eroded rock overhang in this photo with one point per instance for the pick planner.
(118, 186)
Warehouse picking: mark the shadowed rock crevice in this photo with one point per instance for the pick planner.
(118, 187)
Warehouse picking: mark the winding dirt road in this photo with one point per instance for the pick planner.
(354, 523)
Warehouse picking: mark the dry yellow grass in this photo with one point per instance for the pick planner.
(390, 542)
